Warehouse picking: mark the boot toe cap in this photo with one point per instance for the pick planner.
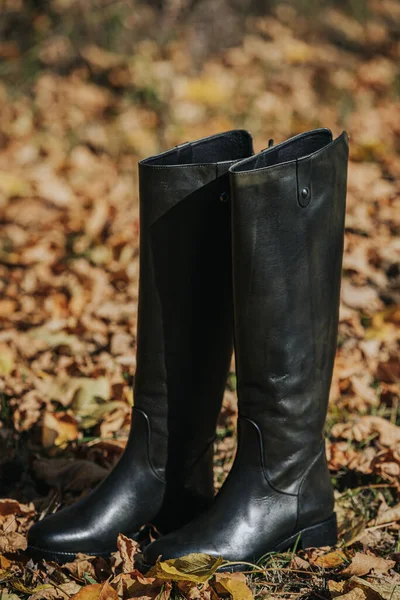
(50, 539)
(63, 535)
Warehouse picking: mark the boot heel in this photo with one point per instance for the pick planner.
(322, 534)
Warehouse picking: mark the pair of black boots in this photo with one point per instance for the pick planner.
(243, 247)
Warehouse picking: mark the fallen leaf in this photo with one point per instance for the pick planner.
(356, 593)
(80, 565)
(388, 516)
(235, 584)
(382, 589)
(62, 592)
(12, 185)
(4, 562)
(58, 429)
(7, 360)
(7, 307)
(136, 585)
(12, 542)
(336, 587)
(299, 563)
(96, 591)
(127, 549)
(53, 339)
(89, 401)
(198, 568)
(331, 560)
(362, 564)
(9, 506)
(363, 427)
(364, 297)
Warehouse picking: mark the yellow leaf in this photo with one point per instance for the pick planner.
(297, 52)
(235, 584)
(198, 568)
(330, 560)
(6, 360)
(206, 90)
(4, 562)
(12, 186)
(336, 588)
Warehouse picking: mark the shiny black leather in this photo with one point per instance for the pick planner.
(184, 348)
(288, 208)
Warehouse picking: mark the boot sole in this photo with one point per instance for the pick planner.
(60, 557)
(321, 534)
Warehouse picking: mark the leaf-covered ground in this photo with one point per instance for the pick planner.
(76, 115)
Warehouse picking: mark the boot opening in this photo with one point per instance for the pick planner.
(293, 149)
(224, 147)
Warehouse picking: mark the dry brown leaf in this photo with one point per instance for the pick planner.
(356, 593)
(379, 589)
(28, 410)
(8, 506)
(11, 541)
(389, 371)
(127, 549)
(365, 297)
(63, 591)
(135, 585)
(80, 565)
(299, 563)
(362, 428)
(192, 591)
(388, 516)
(362, 564)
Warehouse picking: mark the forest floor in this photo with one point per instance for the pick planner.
(74, 120)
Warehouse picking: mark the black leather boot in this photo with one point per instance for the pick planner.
(184, 348)
(288, 208)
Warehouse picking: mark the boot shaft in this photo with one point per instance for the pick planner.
(288, 208)
(185, 316)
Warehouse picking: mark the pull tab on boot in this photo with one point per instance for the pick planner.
(304, 174)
